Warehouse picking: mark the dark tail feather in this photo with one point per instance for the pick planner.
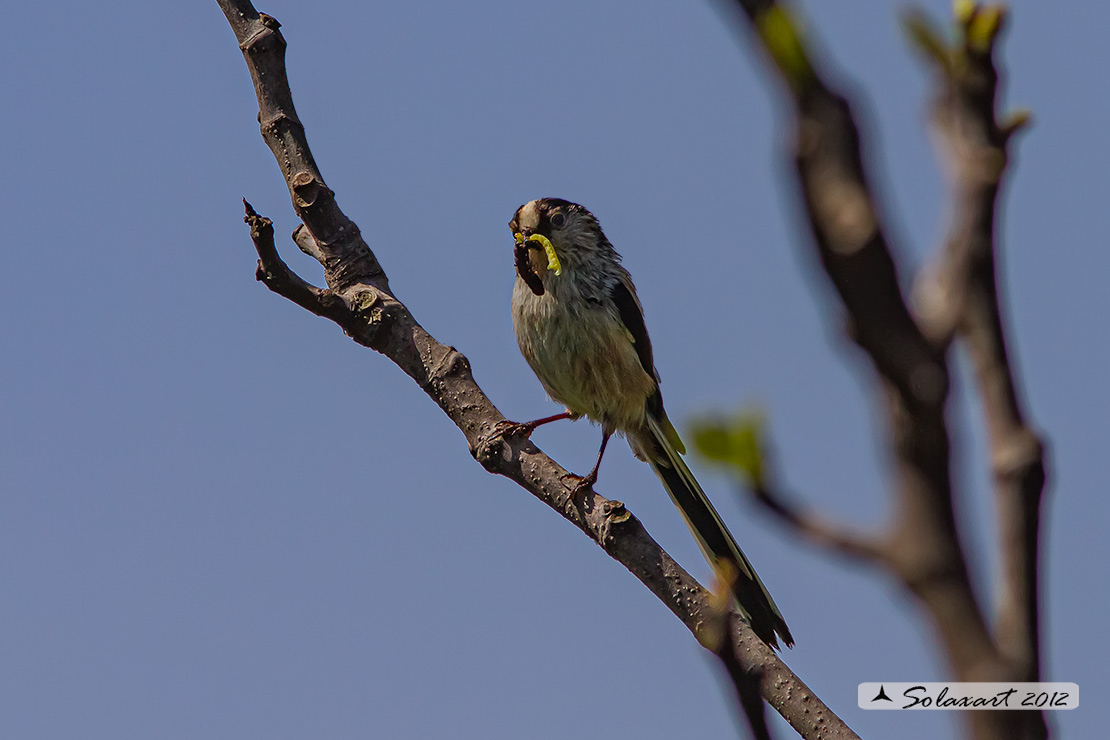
(717, 544)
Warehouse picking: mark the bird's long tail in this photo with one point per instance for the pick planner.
(717, 544)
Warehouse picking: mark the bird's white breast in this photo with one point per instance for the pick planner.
(582, 354)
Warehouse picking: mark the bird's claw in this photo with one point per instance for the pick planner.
(584, 484)
(505, 429)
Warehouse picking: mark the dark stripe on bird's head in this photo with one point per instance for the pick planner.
(535, 217)
(571, 231)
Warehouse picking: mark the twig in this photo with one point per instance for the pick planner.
(817, 530)
(964, 114)
(276, 275)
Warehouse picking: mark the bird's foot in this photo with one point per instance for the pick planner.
(584, 484)
(506, 429)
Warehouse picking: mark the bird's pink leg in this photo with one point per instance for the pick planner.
(590, 479)
(525, 429)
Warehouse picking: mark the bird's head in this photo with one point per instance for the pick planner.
(553, 235)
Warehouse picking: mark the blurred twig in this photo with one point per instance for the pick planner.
(909, 351)
(960, 299)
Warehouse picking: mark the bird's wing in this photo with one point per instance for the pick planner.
(631, 313)
(632, 316)
(663, 450)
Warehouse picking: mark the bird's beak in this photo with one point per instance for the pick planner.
(523, 265)
(525, 236)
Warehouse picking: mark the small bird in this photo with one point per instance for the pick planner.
(580, 326)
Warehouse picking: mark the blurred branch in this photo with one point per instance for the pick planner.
(909, 352)
(714, 636)
(816, 529)
(373, 317)
(739, 443)
(961, 299)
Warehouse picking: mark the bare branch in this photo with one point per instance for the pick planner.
(976, 149)
(923, 548)
(372, 316)
(276, 275)
(346, 259)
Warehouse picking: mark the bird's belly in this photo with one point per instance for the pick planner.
(586, 361)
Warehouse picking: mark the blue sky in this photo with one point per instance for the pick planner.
(221, 518)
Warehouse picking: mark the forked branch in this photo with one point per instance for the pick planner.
(909, 351)
(359, 300)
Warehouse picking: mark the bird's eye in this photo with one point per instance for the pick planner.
(558, 220)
